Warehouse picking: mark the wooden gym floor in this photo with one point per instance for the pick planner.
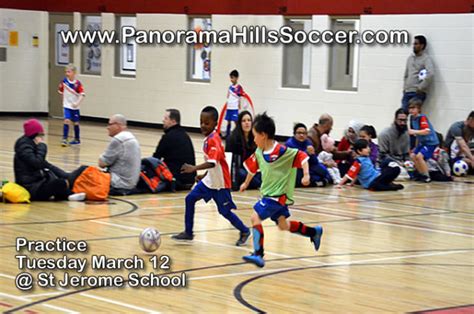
(390, 251)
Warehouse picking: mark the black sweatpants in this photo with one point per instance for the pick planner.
(384, 182)
(56, 188)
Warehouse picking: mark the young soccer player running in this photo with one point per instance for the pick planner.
(214, 184)
(277, 164)
(72, 91)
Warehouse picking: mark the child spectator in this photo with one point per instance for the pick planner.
(368, 133)
(426, 139)
(72, 91)
(326, 158)
(368, 176)
(234, 93)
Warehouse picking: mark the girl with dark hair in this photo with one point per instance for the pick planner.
(241, 144)
(368, 133)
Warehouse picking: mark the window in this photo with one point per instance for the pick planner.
(344, 58)
(91, 53)
(297, 57)
(126, 53)
(199, 55)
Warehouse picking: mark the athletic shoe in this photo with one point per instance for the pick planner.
(78, 197)
(75, 142)
(317, 237)
(255, 259)
(244, 236)
(397, 186)
(321, 184)
(183, 236)
(64, 142)
(424, 179)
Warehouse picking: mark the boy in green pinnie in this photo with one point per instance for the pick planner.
(277, 164)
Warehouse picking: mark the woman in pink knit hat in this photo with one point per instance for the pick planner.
(43, 180)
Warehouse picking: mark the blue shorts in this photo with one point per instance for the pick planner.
(222, 197)
(72, 114)
(269, 208)
(232, 115)
(426, 150)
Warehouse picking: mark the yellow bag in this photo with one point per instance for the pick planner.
(15, 193)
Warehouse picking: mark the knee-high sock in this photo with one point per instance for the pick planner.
(257, 232)
(77, 132)
(301, 228)
(65, 131)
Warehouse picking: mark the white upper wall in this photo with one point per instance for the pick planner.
(24, 77)
(160, 81)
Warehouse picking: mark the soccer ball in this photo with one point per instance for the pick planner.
(460, 168)
(150, 240)
(422, 74)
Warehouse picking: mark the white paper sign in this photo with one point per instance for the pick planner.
(62, 49)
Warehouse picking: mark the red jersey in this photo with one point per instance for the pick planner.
(217, 177)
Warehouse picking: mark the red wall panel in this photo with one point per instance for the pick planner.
(285, 7)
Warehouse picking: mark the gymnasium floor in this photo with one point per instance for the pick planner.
(389, 251)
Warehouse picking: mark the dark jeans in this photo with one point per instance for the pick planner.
(56, 188)
(254, 184)
(344, 167)
(406, 99)
(317, 173)
(238, 174)
(388, 173)
(123, 192)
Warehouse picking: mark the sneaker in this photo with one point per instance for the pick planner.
(317, 237)
(244, 236)
(64, 142)
(183, 236)
(255, 259)
(75, 142)
(424, 179)
(397, 186)
(78, 197)
(321, 184)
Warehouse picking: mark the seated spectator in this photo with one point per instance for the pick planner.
(351, 135)
(43, 180)
(122, 157)
(326, 158)
(460, 141)
(176, 149)
(324, 126)
(369, 177)
(240, 143)
(394, 141)
(368, 133)
(319, 175)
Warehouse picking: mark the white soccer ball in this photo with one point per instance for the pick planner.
(150, 240)
(422, 74)
(460, 168)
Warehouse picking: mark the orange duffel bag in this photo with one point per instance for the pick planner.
(93, 182)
